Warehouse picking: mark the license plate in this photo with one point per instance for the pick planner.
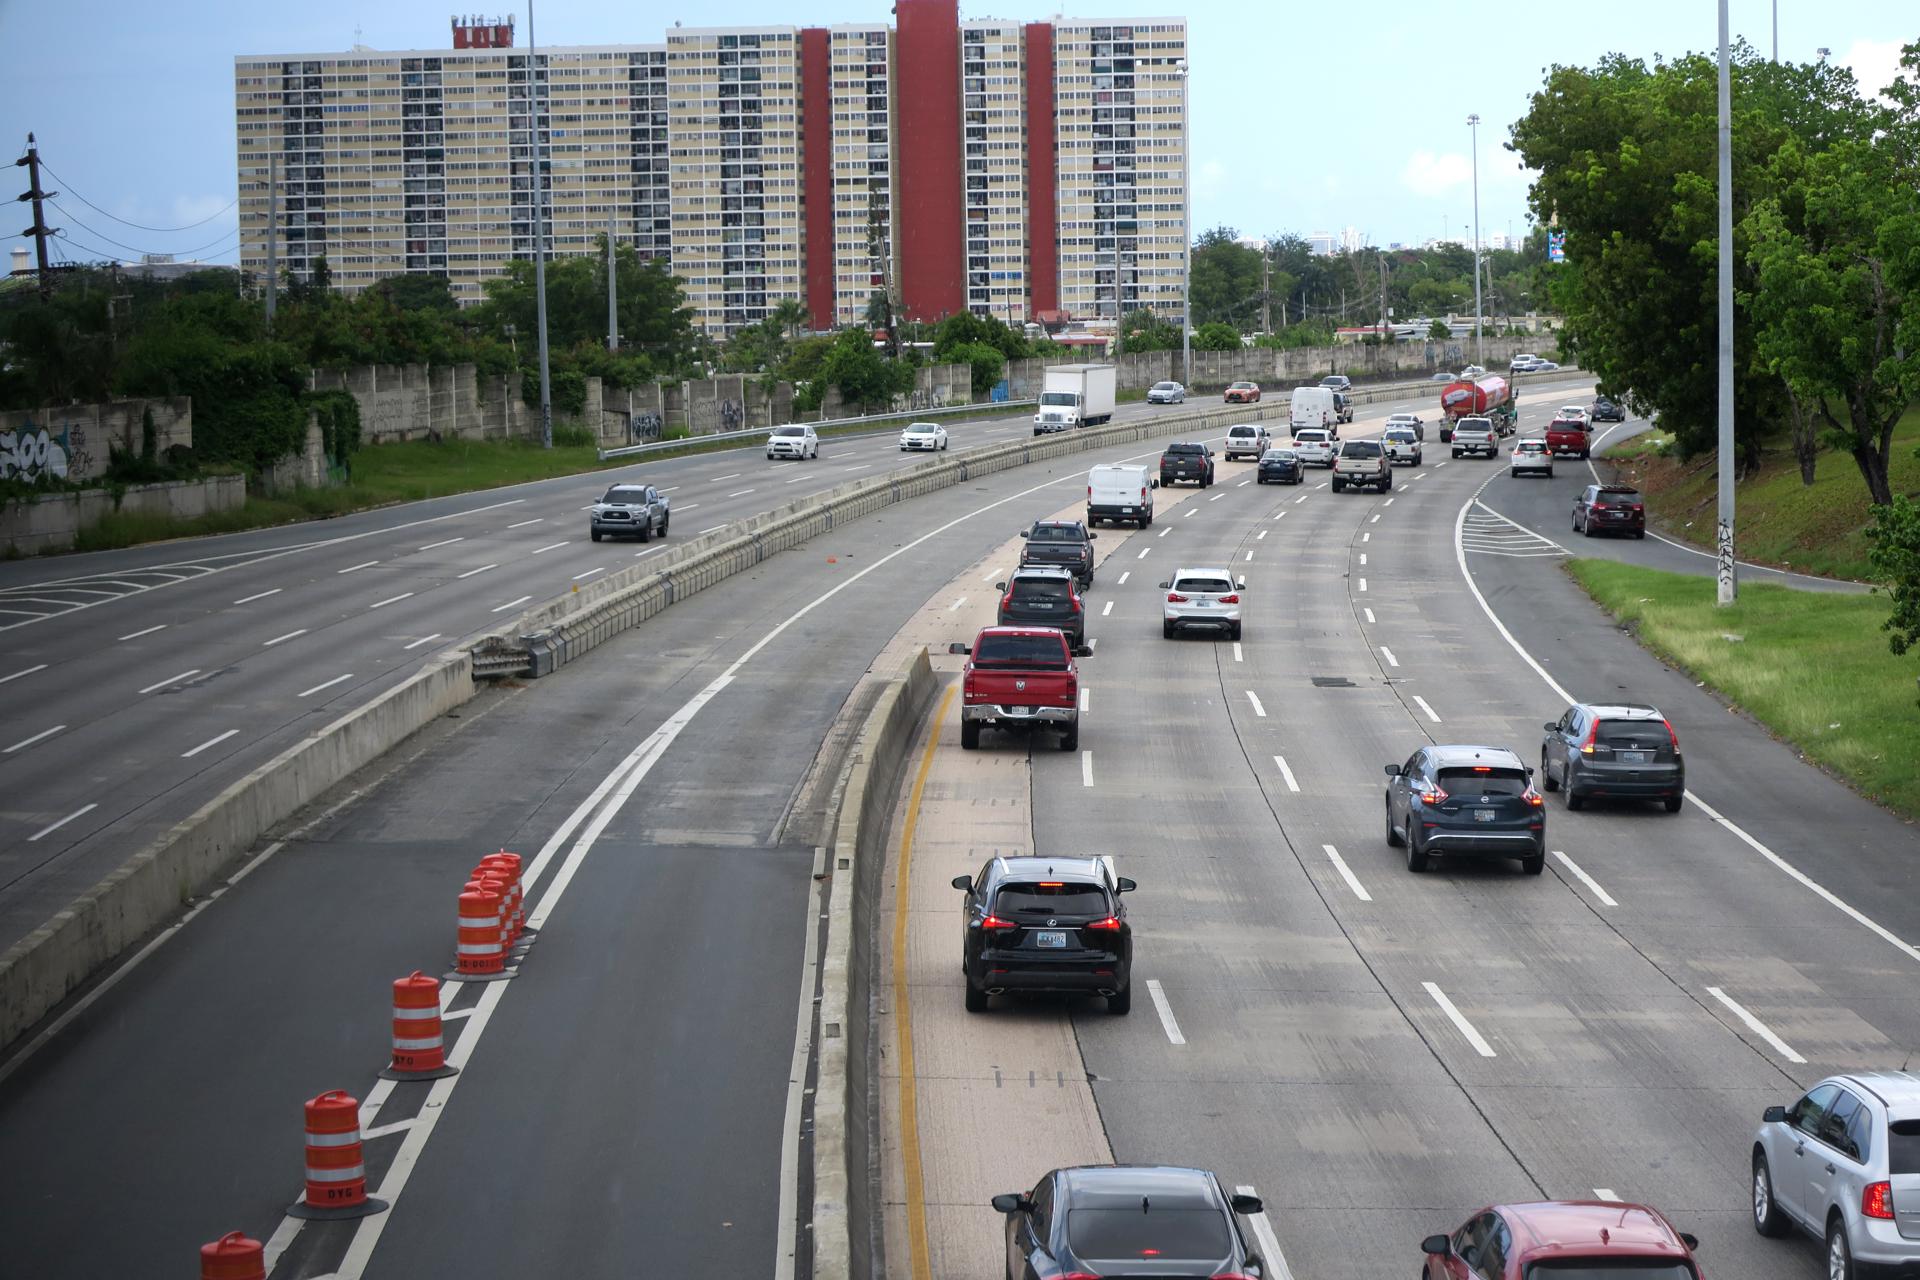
(1202, 604)
(1631, 757)
(1056, 938)
(1021, 711)
(1126, 511)
(1484, 815)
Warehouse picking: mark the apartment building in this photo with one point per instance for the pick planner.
(1011, 169)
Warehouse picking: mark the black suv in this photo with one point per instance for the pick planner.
(1060, 544)
(1605, 410)
(1040, 596)
(1477, 800)
(1046, 924)
(1135, 1220)
(1613, 749)
(1610, 506)
(1187, 460)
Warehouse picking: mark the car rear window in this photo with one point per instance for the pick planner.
(1204, 585)
(1278, 455)
(1044, 533)
(1903, 1147)
(1039, 589)
(1244, 431)
(1632, 733)
(1490, 780)
(1611, 1269)
(1174, 1233)
(1531, 446)
(1047, 653)
(1311, 436)
(1619, 493)
(1183, 448)
(1359, 449)
(1400, 433)
(1051, 900)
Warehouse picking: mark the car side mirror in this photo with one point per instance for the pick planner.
(957, 647)
(1125, 884)
(1083, 651)
(1393, 771)
(1436, 1244)
(1025, 532)
(1012, 1202)
(1166, 586)
(1689, 1239)
(1774, 1115)
(1153, 482)
(1240, 584)
(1246, 1204)
(963, 882)
(999, 586)
(1551, 727)
(1091, 535)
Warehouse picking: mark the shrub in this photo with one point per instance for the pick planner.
(574, 435)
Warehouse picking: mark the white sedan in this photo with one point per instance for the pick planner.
(1531, 456)
(1166, 393)
(923, 435)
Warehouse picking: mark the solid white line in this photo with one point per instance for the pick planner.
(524, 523)
(135, 635)
(385, 1130)
(27, 672)
(1258, 710)
(27, 742)
(1431, 713)
(1586, 879)
(1237, 655)
(509, 604)
(482, 569)
(1269, 1243)
(1123, 578)
(1391, 660)
(784, 1260)
(210, 742)
(1107, 610)
(1086, 768)
(1474, 1038)
(278, 639)
(422, 640)
(259, 595)
(381, 604)
(161, 684)
(328, 685)
(1369, 614)
(712, 528)
(1346, 873)
(1606, 1193)
(956, 604)
(551, 546)
(1363, 584)
(1165, 1011)
(49, 830)
(1286, 774)
(444, 542)
(355, 568)
(589, 573)
(1756, 1026)
(1143, 553)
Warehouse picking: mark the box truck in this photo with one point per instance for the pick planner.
(1075, 395)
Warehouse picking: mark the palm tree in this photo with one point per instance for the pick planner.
(790, 314)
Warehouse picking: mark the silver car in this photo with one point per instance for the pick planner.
(1476, 435)
(1202, 600)
(1530, 457)
(629, 510)
(1166, 393)
(1843, 1164)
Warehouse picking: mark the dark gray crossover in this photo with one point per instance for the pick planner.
(1478, 801)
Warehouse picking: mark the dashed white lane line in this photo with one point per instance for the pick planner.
(1421, 476)
(1243, 484)
(161, 684)
(446, 542)
(1606, 1193)
(1237, 655)
(524, 523)
(1286, 774)
(731, 475)
(281, 639)
(669, 488)
(502, 608)
(1188, 514)
(1107, 610)
(1374, 518)
(381, 604)
(471, 572)
(1366, 537)
(1216, 497)
(1249, 554)
(1756, 1026)
(551, 546)
(1143, 553)
(1363, 584)
(1164, 532)
(1165, 1011)
(1086, 768)
(1269, 1243)
(589, 573)
(1346, 873)
(862, 467)
(1321, 485)
(1586, 879)
(1363, 558)
(355, 568)
(1388, 655)
(1086, 699)
(1474, 1038)
(795, 480)
(1431, 713)
(741, 494)
(1389, 502)
(145, 631)
(210, 742)
(27, 742)
(691, 506)
(259, 595)
(1441, 463)
(1296, 502)
(24, 672)
(328, 685)
(956, 604)
(1123, 578)
(991, 575)
(52, 827)
(1369, 614)
(1262, 537)
(422, 640)
(1258, 710)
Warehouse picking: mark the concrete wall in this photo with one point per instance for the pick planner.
(1276, 370)
(414, 401)
(304, 470)
(51, 522)
(73, 441)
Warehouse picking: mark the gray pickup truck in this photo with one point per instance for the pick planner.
(1475, 435)
(1362, 462)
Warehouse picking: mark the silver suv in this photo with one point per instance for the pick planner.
(1843, 1163)
(1475, 435)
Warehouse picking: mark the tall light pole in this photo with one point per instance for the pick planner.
(539, 231)
(1729, 585)
(1776, 30)
(1186, 233)
(1479, 345)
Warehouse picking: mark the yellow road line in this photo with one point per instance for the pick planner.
(909, 1122)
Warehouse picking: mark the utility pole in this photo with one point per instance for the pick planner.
(539, 231)
(1729, 590)
(613, 308)
(1266, 289)
(1479, 346)
(1186, 231)
(273, 233)
(1776, 30)
(39, 230)
(1381, 258)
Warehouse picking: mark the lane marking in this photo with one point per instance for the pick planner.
(1363, 558)
(862, 467)
(1123, 578)
(795, 480)
(280, 639)
(135, 635)
(1262, 537)
(1216, 497)
(1296, 502)
(1756, 1026)
(1369, 614)
(381, 604)
(1086, 699)
(355, 568)
(1363, 584)
(1606, 1193)
(731, 475)
(1391, 660)
(422, 640)
(1243, 484)
(1431, 713)
(1249, 554)
(53, 827)
(328, 685)
(1459, 1019)
(259, 595)
(1188, 514)
(1237, 655)
(1586, 879)
(524, 523)
(712, 528)
(551, 546)
(589, 573)
(386, 1130)
(509, 604)
(741, 494)
(1269, 1243)
(1165, 1011)
(1389, 502)
(210, 742)
(27, 672)
(1258, 710)
(27, 742)
(447, 542)
(1143, 553)
(1164, 532)
(1421, 476)
(956, 604)
(1366, 537)
(471, 572)
(1346, 873)
(787, 1210)
(1286, 774)
(1374, 518)
(1107, 610)
(669, 488)
(991, 575)
(1086, 768)
(161, 684)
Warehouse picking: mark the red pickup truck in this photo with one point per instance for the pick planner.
(1019, 679)
(1569, 435)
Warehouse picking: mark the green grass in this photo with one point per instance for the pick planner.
(1777, 519)
(1812, 667)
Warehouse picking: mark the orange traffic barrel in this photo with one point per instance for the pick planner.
(480, 946)
(234, 1256)
(419, 1049)
(336, 1167)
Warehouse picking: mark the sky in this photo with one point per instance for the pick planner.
(1305, 119)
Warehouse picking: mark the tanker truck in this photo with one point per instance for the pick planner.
(1482, 397)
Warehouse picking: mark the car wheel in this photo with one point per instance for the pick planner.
(1639, 533)
(1456, 453)
(1575, 801)
(664, 522)
(1546, 774)
(1337, 486)
(1145, 521)
(1767, 1218)
(1394, 838)
(970, 734)
(1120, 1002)
(1839, 1252)
(1549, 473)
(976, 999)
(1534, 864)
(594, 534)
(1386, 485)
(1514, 472)
(646, 532)
(1166, 630)
(1673, 803)
(1417, 859)
(1233, 632)
(1586, 528)
(1070, 737)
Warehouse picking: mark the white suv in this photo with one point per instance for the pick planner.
(1476, 435)
(1401, 444)
(1248, 440)
(796, 441)
(1201, 600)
(1315, 447)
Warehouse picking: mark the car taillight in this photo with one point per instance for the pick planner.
(1111, 924)
(1639, 507)
(1079, 1275)
(1601, 506)
(1233, 599)
(1077, 606)
(1006, 601)
(1143, 495)
(1533, 797)
(1593, 731)
(1672, 737)
(1876, 1200)
(1433, 796)
(1089, 493)
(995, 922)
(1231, 1275)
(1174, 597)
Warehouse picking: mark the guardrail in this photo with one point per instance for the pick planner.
(759, 433)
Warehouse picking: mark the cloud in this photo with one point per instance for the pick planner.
(1435, 174)
(1875, 63)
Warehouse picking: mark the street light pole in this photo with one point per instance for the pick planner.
(1729, 585)
(1479, 345)
(539, 232)
(1186, 233)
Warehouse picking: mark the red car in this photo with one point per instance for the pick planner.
(1243, 393)
(1624, 1241)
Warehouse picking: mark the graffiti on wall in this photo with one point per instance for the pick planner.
(643, 426)
(33, 453)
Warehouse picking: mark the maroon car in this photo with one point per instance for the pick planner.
(1622, 1241)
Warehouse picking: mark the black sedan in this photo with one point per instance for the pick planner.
(1280, 466)
(1605, 410)
(1623, 750)
(1046, 924)
(1466, 800)
(1130, 1220)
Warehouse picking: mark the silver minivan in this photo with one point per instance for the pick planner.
(1843, 1164)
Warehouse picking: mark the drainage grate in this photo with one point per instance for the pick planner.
(1333, 682)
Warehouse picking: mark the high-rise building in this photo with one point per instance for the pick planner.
(1011, 169)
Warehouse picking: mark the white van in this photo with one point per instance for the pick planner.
(1121, 491)
(1313, 407)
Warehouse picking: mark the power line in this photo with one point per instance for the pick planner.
(221, 242)
(136, 225)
